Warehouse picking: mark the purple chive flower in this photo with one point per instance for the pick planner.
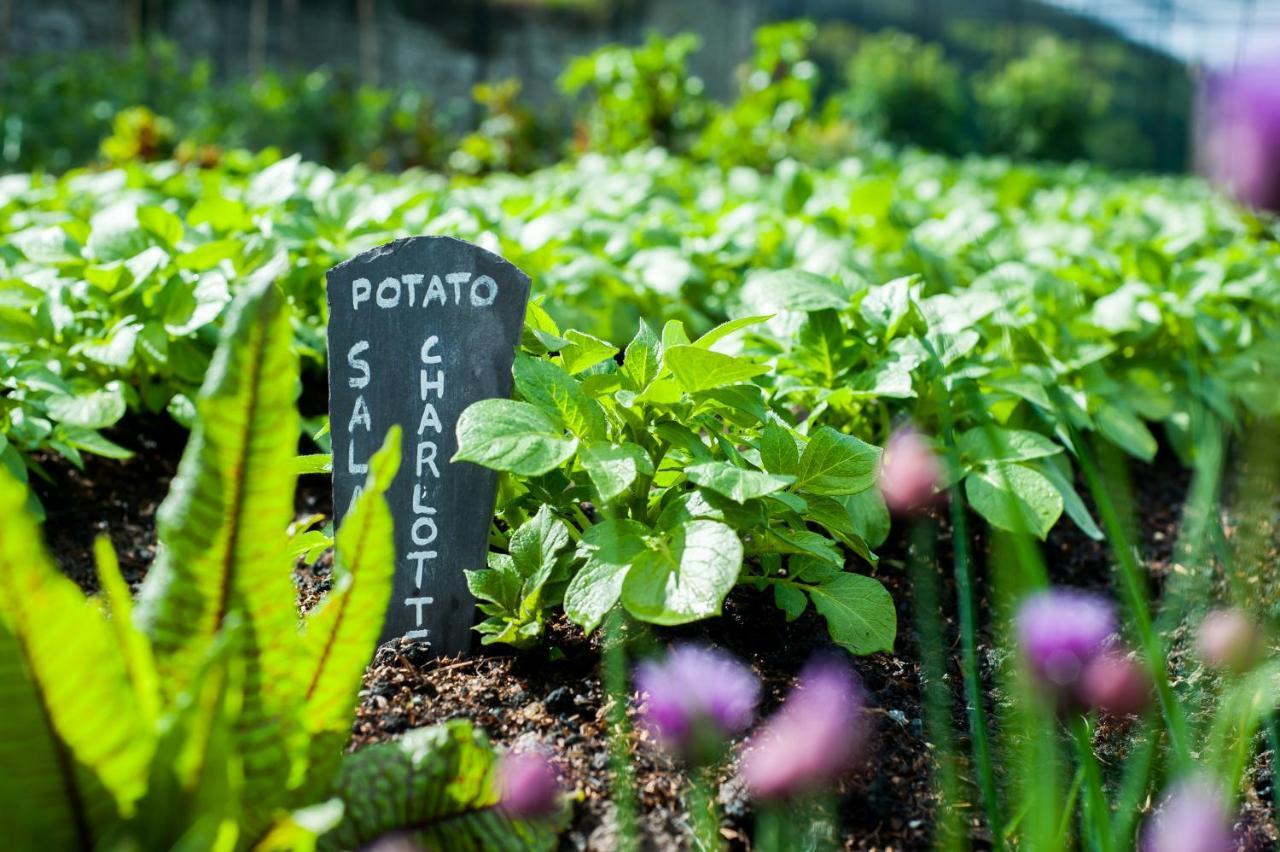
(910, 472)
(1115, 684)
(1061, 630)
(812, 739)
(1193, 818)
(1239, 136)
(528, 784)
(696, 698)
(1228, 639)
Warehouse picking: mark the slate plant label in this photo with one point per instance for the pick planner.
(419, 329)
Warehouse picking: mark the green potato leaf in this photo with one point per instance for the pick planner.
(684, 574)
(736, 483)
(702, 369)
(506, 435)
(834, 464)
(859, 612)
(1016, 498)
(613, 468)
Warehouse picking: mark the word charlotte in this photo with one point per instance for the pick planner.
(412, 290)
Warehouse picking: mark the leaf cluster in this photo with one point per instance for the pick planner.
(659, 480)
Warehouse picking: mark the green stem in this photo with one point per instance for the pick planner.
(969, 646)
(616, 686)
(769, 820)
(1135, 594)
(1097, 820)
(937, 706)
(584, 523)
(1273, 737)
(1139, 765)
(1070, 807)
(703, 814)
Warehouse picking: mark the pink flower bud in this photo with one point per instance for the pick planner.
(812, 739)
(695, 699)
(910, 472)
(529, 785)
(1193, 818)
(1115, 684)
(1060, 631)
(1229, 639)
(1239, 136)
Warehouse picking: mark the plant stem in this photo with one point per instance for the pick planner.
(969, 647)
(701, 804)
(1133, 584)
(1070, 808)
(769, 821)
(616, 687)
(1273, 737)
(1097, 819)
(949, 832)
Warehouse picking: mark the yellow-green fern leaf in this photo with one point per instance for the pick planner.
(341, 635)
(131, 642)
(436, 788)
(74, 742)
(223, 543)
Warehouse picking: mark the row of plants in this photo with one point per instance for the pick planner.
(735, 443)
(204, 715)
(881, 276)
(64, 111)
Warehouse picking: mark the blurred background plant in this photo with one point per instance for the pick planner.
(775, 105)
(63, 111)
(812, 92)
(508, 139)
(907, 91)
(1039, 106)
(634, 96)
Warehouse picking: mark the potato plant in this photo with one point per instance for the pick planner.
(662, 479)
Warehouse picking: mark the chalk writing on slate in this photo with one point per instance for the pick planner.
(418, 330)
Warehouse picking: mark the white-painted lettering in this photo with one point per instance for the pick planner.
(420, 508)
(457, 279)
(435, 290)
(483, 291)
(430, 419)
(427, 458)
(418, 604)
(426, 383)
(361, 289)
(424, 530)
(358, 364)
(352, 467)
(411, 280)
(420, 557)
(360, 416)
(388, 301)
(427, 345)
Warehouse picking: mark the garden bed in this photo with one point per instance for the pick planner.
(554, 697)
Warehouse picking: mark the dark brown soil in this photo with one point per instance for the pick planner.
(553, 696)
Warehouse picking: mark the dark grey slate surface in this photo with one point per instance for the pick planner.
(418, 330)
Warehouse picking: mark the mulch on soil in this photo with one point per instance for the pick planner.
(533, 700)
